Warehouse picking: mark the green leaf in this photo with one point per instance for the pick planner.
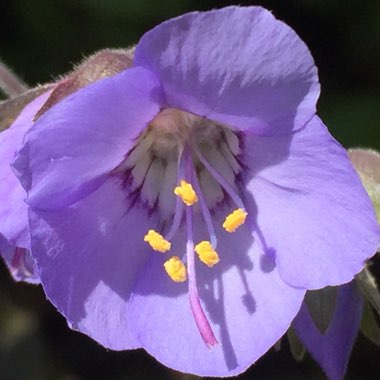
(367, 164)
(321, 305)
(297, 349)
(368, 287)
(369, 326)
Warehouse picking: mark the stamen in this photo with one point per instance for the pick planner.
(200, 318)
(222, 182)
(186, 192)
(175, 269)
(234, 220)
(178, 213)
(237, 217)
(206, 253)
(176, 219)
(205, 211)
(157, 241)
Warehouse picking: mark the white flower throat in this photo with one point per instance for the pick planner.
(184, 164)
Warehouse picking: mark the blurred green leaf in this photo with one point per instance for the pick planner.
(367, 164)
(369, 326)
(367, 285)
(353, 118)
(297, 349)
(321, 305)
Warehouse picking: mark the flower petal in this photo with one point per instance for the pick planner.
(89, 255)
(14, 230)
(332, 349)
(19, 261)
(241, 297)
(237, 65)
(73, 146)
(13, 209)
(311, 206)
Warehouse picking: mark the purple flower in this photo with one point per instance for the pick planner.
(14, 230)
(186, 204)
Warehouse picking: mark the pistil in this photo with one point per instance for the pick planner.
(199, 316)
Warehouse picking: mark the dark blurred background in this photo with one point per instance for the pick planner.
(42, 39)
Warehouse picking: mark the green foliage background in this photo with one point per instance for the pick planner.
(42, 39)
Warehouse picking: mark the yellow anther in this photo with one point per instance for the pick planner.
(206, 253)
(186, 192)
(176, 269)
(157, 241)
(234, 220)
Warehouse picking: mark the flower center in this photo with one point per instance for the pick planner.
(186, 163)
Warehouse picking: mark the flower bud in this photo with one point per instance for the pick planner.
(102, 64)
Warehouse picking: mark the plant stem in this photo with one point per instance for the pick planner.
(9, 83)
